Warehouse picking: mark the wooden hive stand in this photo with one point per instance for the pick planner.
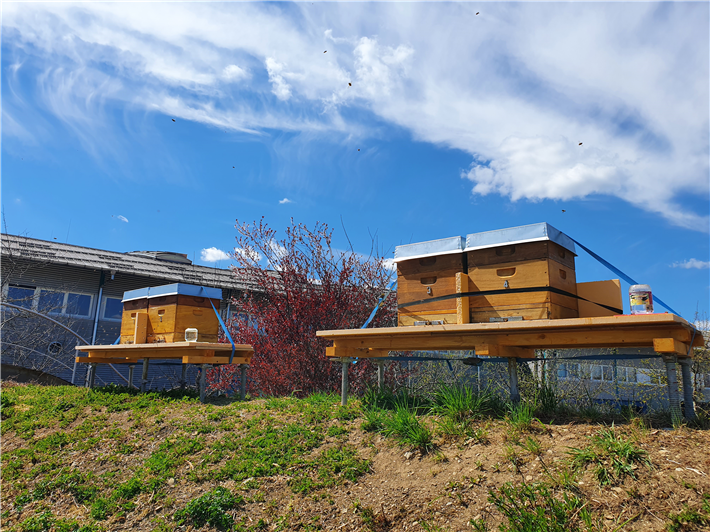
(669, 335)
(153, 321)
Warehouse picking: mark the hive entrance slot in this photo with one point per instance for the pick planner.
(428, 280)
(505, 272)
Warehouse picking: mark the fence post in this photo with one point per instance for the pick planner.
(513, 374)
(144, 376)
(183, 377)
(130, 375)
(689, 408)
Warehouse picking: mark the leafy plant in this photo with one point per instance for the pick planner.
(613, 457)
(210, 509)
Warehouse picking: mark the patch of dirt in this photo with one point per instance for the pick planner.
(406, 490)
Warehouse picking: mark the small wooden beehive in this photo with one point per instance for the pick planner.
(171, 309)
(426, 271)
(529, 270)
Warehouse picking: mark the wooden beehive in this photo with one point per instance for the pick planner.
(426, 271)
(169, 310)
(525, 272)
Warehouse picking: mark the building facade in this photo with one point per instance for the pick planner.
(49, 287)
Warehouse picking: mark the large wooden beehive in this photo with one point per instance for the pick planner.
(169, 310)
(426, 271)
(525, 272)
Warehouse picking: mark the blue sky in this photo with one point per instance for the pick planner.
(139, 126)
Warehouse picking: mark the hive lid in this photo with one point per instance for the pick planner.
(519, 235)
(173, 289)
(141, 293)
(443, 246)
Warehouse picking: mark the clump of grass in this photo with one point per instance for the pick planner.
(521, 417)
(612, 456)
(404, 426)
(460, 403)
(210, 509)
(535, 508)
(689, 518)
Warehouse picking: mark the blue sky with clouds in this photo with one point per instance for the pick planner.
(130, 126)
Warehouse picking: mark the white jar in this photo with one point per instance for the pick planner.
(641, 299)
(191, 335)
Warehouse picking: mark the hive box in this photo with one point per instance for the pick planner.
(426, 271)
(530, 269)
(168, 311)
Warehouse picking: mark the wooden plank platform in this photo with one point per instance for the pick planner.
(665, 332)
(188, 352)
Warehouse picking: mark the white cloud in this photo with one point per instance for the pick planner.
(234, 73)
(517, 88)
(213, 255)
(284, 201)
(692, 264)
(122, 218)
(281, 89)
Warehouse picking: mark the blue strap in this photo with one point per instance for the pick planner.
(117, 340)
(621, 274)
(224, 327)
(379, 303)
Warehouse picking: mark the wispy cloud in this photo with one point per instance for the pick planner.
(518, 88)
(692, 264)
(284, 201)
(122, 218)
(213, 255)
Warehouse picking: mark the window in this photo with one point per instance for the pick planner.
(113, 309)
(52, 302)
(78, 304)
(22, 296)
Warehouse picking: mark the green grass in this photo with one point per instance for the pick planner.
(537, 508)
(611, 455)
(690, 518)
(460, 403)
(210, 509)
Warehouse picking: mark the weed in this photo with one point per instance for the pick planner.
(210, 509)
(459, 403)
(404, 425)
(520, 417)
(46, 521)
(534, 507)
(336, 430)
(689, 518)
(533, 446)
(613, 457)
(374, 420)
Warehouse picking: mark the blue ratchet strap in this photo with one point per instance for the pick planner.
(379, 303)
(117, 340)
(377, 307)
(621, 274)
(224, 328)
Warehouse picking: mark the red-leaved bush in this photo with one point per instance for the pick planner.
(298, 285)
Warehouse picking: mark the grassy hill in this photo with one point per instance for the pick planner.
(111, 459)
